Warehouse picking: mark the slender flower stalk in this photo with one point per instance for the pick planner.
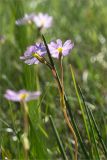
(25, 140)
(61, 68)
(72, 132)
(63, 104)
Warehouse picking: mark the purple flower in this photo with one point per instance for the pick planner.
(57, 48)
(28, 18)
(21, 95)
(43, 20)
(30, 55)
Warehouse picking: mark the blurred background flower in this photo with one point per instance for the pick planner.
(43, 21)
(27, 19)
(21, 95)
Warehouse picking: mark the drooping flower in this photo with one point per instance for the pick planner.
(28, 18)
(34, 52)
(57, 48)
(21, 95)
(43, 20)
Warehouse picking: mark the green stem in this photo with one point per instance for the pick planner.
(25, 130)
(58, 139)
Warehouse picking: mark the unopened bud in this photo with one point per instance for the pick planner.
(40, 58)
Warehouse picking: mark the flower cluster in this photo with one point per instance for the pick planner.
(41, 20)
(21, 95)
(35, 53)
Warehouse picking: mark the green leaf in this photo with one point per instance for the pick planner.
(61, 147)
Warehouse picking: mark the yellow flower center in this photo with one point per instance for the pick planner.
(42, 22)
(35, 55)
(59, 50)
(23, 96)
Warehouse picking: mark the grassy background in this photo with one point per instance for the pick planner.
(85, 23)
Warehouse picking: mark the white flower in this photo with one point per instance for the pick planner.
(43, 20)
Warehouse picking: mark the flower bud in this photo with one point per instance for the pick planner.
(40, 58)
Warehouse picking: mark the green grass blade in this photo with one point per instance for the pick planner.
(49, 55)
(76, 130)
(94, 123)
(79, 100)
(98, 133)
(61, 147)
(96, 153)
